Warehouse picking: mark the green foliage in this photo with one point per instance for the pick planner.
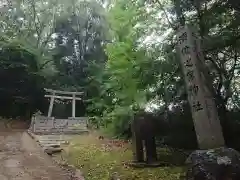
(140, 72)
(123, 82)
(65, 37)
(22, 93)
(122, 57)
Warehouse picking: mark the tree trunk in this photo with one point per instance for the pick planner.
(222, 113)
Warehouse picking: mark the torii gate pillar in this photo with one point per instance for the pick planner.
(73, 105)
(51, 106)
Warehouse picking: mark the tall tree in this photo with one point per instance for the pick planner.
(80, 38)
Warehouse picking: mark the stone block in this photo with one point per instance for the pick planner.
(50, 125)
(50, 150)
(214, 164)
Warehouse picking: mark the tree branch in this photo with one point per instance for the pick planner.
(200, 19)
(223, 45)
(34, 20)
(230, 77)
(219, 74)
(180, 15)
(166, 15)
(45, 63)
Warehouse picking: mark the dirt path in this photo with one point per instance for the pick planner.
(22, 159)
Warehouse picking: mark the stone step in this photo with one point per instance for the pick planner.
(59, 133)
(52, 137)
(50, 145)
(57, 138)
(51, 151)
(53, 142)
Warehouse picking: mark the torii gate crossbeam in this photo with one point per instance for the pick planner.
(56, 94)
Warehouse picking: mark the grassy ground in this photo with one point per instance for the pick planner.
(99, 159)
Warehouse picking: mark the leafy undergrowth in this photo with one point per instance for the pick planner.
(100, 159)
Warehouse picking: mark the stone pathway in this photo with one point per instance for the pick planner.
(22, 159)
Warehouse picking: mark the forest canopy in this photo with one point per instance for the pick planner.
(122, 55)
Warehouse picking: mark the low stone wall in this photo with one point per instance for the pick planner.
(50, 125)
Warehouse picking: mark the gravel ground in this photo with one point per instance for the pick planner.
(22, 159)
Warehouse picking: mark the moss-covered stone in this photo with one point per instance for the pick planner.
(214, 164)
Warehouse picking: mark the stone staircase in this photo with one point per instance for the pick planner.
(51, 143)
(51, 140)
(50, 133)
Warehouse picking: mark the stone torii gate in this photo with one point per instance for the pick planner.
(51, 125)
(56, 94)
